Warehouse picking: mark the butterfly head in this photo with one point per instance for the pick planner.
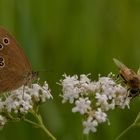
(34, 75)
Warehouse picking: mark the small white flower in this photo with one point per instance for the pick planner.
(121, 90)
(24, 106)
(84, 79)
(18, 102)
(39, 93)
(82, 105)
(101, 98)
(3, 120)
(70, 95)
(111, 105)
(104, 102)
(109, 91)
(100, 116)
(46, 91)
(93, 87)
(34, 91)
(90, 125)
(122, 100)
(70, 88)
(106, 81)
(69, 81)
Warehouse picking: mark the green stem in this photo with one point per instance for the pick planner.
(135, 123)
(85, 137)
(124, 132)
(40, 124)
(43, 127)
(31, 122)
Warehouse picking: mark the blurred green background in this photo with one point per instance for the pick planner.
(74, 37)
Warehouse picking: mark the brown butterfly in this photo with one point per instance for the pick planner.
(15, 68)
(131, 78)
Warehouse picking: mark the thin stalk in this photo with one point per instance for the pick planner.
(124, 132)
(85, 137)
(134, 124)
(40, 124)
(43, 127)
(31, 122)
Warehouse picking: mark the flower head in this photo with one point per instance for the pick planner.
(21, 101)
(93, 98)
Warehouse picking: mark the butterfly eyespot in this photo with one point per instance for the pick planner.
(1, 59)
(1, 46)
(2, 64)
(5, 41)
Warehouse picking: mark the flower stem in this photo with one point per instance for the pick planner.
(86, 137)
(31, 122)
(137, 120)
(124, 132)
(43, 127)
(40, 124)
(135, 123)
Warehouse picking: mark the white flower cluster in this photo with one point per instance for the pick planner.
(93, 98)
(21, 101)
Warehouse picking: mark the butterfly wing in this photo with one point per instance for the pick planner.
(14, 65)
(119, 64)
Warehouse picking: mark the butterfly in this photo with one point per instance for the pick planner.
(15, 68)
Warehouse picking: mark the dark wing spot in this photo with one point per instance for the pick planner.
(6, 41)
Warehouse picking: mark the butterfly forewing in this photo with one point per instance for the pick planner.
(14, 65)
